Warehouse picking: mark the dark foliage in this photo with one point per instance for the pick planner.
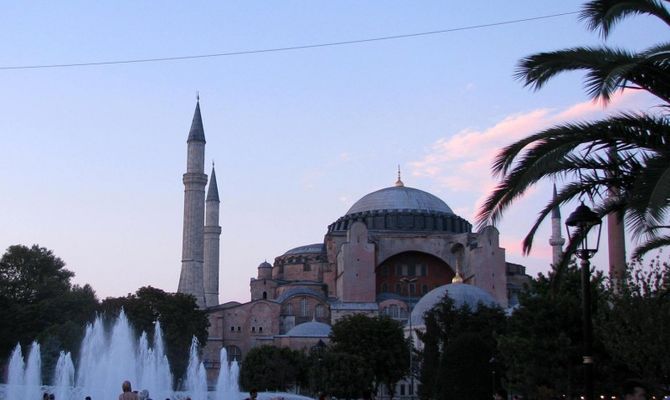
(271, 368)
(178, 314)
(459, 355)
(38, 302)
(379, 341)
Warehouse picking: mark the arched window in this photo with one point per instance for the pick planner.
(265, 295)
(319, 311)
(393, 311)
(289, 309)
(385, 287)
(234, 353)
(303, 307)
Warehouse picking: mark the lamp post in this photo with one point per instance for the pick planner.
(408, 282)
(581, 221)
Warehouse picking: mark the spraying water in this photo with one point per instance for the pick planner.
(109, 358)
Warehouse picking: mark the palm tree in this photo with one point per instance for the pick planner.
(627, 154)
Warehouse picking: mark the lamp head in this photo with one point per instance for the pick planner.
(581, 221)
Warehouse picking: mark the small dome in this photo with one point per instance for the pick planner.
(310, 329)
(265, 264)
(316, 248)
(400, 198)
(460, 293)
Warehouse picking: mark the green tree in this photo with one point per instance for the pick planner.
(459, 345)
(635, 327)
(316, 369)
(272, 368)
(31, 274)
(379, 341)
(543, 344)
(178, 313)
(347, 376)
(38, 302)
(465, 369)
(626, 153)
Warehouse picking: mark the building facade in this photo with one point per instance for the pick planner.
(391, 248)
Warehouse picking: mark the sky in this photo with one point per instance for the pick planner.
(93, 157)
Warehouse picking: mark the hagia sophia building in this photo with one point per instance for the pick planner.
(395, 249)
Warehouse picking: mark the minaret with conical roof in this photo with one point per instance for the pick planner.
(195, 179)
(556, 240)
(212, 235)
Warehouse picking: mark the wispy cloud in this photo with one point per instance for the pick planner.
(461, 162)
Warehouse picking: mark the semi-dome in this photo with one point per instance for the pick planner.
(461, 293)
(310, 329)
(400, 198)
(265, 264)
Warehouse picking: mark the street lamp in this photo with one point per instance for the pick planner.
(581, 221)
(408, 282)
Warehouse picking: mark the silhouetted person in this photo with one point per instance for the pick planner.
(634, 390)
(253, 393)
(127, 393)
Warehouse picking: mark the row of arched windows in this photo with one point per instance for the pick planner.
(304, 311)
(399, 289)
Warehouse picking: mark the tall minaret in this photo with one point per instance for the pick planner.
(556, 240)
(191, 278)
(212, 234)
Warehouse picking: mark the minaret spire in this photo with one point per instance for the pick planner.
(195, 179)
(556, 240)
(212, 237)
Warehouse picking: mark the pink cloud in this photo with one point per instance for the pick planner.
(462, 162)
(458, 166)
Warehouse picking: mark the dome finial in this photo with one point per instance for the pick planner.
(457, 278)
(399, 181)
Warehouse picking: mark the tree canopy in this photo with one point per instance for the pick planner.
(178, 313)
(272, 368)
(379, 341)
(458, 352)
(38, 302)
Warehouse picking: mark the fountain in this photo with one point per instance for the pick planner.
(106, 360)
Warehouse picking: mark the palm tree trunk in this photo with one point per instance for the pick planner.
(616, 240)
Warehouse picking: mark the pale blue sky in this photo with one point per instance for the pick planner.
(93, 156)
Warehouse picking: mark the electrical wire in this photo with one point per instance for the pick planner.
(279, 49)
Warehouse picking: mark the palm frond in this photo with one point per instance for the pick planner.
(625, 131)
(650, 245)
(567, 193)
(602, 15)
(607, 70)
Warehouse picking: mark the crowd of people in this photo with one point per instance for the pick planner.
(632, 390)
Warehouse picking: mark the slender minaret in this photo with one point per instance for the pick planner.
(556, 240)
(212, 234)
(195, 179)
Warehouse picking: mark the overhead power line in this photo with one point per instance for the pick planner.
(288, 48)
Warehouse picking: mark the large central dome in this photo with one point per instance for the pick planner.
(400, 198)
(401, 208)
